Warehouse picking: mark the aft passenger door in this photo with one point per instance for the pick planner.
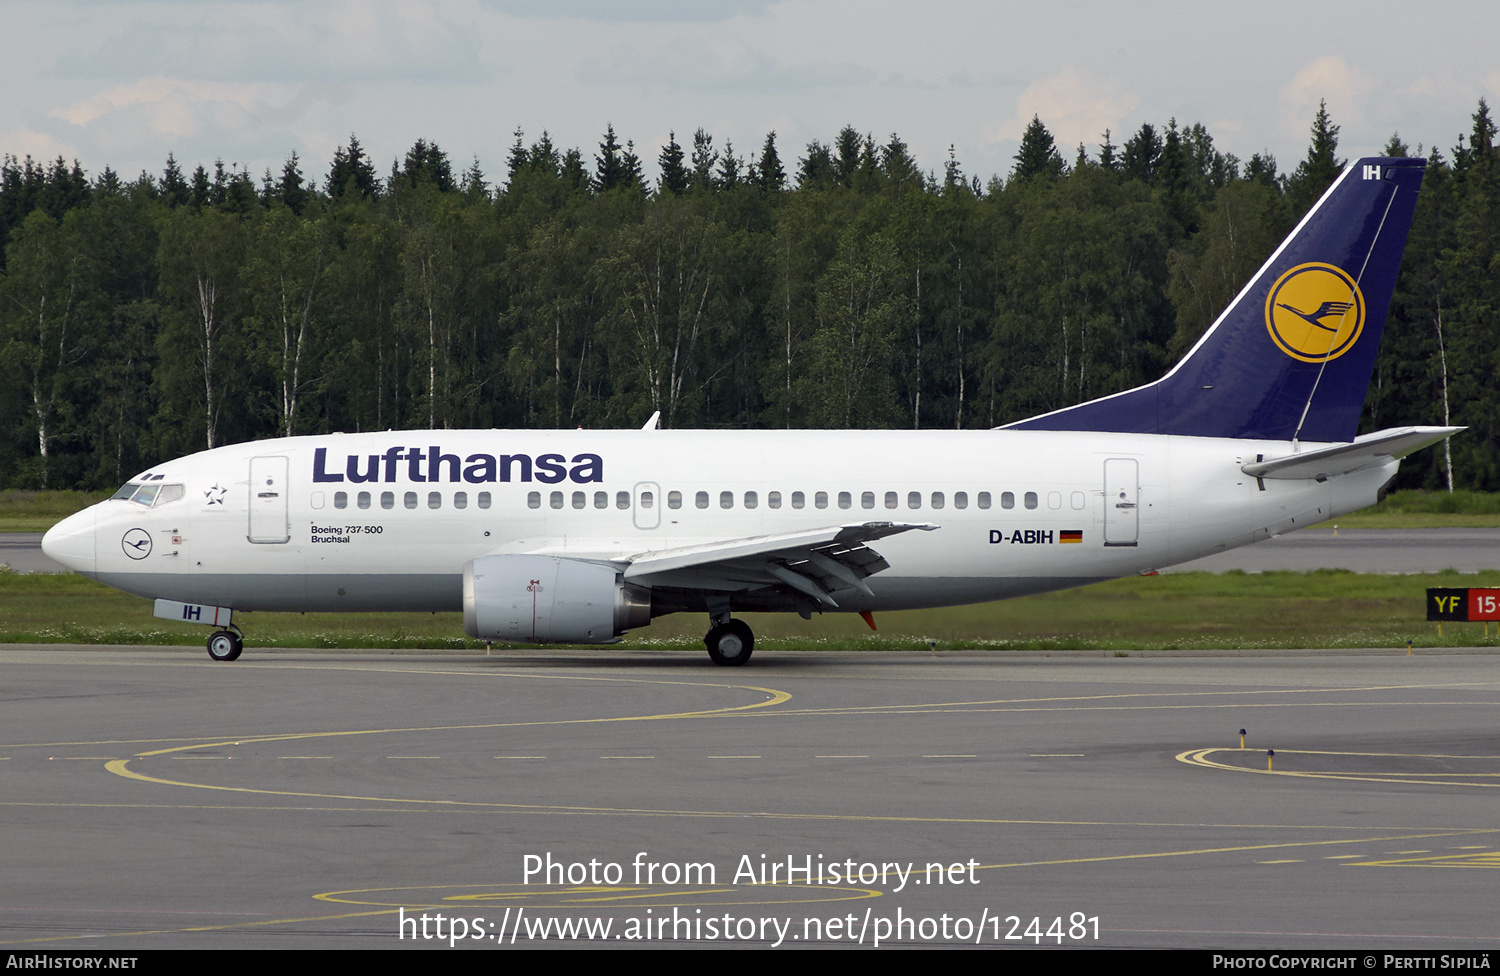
(1122, 493)
(269, 521)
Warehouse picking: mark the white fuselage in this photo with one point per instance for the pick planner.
(1016, 512)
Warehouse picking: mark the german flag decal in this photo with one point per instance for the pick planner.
(1070, 535)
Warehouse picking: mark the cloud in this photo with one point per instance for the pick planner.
(716, 64)
(1425, 85)
(198, 120)
(40, 146)
(1075, 110)
(1329, 79)
(170, 95)
(179, 108)
(615, 11)
(354, 41)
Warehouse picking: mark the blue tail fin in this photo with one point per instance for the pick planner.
(1291, 357)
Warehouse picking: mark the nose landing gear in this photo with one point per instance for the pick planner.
(225, 645)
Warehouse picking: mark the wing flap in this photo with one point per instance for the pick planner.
(815, 563)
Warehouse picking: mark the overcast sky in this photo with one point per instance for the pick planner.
(125, 83)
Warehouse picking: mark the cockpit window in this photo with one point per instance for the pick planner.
(149, 495)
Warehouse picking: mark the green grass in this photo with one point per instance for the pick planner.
(1178, 611)
(1426, 510)
(38, 511)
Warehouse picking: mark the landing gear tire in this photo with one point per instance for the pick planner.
(730, 643)
(225, 645)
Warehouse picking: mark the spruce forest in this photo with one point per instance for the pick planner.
(839, 285)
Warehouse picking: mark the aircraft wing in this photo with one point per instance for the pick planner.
(816, 562)
(1326, 462)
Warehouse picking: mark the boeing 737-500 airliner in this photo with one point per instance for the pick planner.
(577, 536)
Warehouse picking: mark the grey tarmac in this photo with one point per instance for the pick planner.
(313, 799)
(22, 552)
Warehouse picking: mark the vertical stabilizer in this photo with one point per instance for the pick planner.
(1291, 358)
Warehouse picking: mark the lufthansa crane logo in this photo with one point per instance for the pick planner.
(136, 543)
(1315, 313)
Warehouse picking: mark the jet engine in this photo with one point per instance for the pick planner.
(548, 599)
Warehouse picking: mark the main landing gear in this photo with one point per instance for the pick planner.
(225, 645)
(730, 642)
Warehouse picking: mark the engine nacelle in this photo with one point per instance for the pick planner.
(550, 600)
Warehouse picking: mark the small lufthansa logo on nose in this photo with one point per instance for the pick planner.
(1315, 313)
(137, 543)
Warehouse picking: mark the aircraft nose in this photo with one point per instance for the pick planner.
(71, 542)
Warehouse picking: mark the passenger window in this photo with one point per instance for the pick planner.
(798, 500)
(914, 499)
(580, 500)
(648, 499)
(411, 499)
(674, 499)
(867, 499)
(1007, 499)
(1054, 500)
(937, 499)
(751, 500)
(387, 499)
(846, 500)
(601, 499)
(726, 499)
(701, 499)
(364, 500)
(960, 499)
(434, 499)
(556, 501)
(460, 499)
(533, 500)
(341, 499)
(622, 500)
(1031, 499)
(484, 500)
(983, 499)
(1077, 501)
(317, 499)
(820, 500)
(773, 499)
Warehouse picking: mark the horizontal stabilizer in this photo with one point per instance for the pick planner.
(1327, 462)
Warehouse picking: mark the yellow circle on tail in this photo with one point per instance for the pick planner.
(1315, 312)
